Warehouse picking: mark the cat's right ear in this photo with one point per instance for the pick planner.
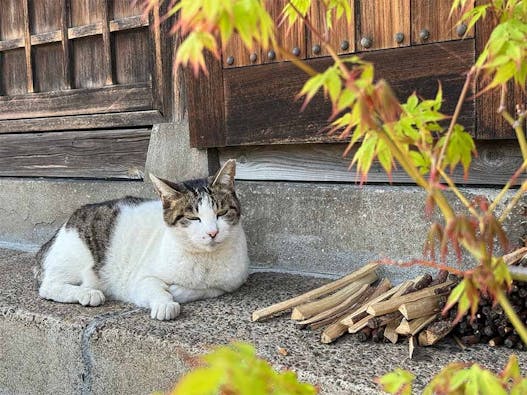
(165, 191)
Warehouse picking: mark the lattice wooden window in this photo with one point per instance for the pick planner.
(77, 64)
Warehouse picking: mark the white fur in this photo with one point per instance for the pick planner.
(149, 263)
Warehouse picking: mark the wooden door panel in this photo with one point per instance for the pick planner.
(235, 54)
(341, 36)
(13, 72)
(431, 22)
(382, 22)
(290, 41)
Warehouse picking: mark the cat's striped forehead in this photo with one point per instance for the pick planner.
(198, 193)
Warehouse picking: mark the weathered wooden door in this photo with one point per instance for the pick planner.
(248, 99)
(79, 65)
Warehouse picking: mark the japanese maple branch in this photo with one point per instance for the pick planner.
(455, 116)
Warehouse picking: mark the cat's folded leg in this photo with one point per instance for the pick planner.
(152, 292)
(185, 295)
(68, 293)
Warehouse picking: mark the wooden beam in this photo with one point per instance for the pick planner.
(27, 47)
(66, 58)
(206, 105)
(92, 29)
(260, 106)
(114, 154)
(494, 165)
(106, 42)
(115, 98)
(77, 122)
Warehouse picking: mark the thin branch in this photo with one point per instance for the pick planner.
(455, 117)
(458, 193)
(507, 186)
(517, 196)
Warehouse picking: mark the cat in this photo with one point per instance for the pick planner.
(156, 254)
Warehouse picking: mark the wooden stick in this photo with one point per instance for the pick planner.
(414, 326)
(411, 346)
(308, 310)
(350, 301)
(359, 325)
(313, 294)
(351, 318)
(435, 332)
(514, 257)
(422, 307)
(388, 306)
(390, 333)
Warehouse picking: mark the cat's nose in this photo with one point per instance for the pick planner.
(212, 233)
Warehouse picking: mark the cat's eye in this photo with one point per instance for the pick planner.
(193, 218)
(221, 213)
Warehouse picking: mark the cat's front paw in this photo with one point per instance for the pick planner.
(165, 311)
(91, 297)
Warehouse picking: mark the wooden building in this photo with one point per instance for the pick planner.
(82, 82)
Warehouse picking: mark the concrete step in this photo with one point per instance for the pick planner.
(47, 347)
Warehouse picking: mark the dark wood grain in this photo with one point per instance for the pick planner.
(380, 20)
(76, 122)
(341, 30)
(78, 101)
(93, 154)
(494, 165)
(266, 113)
(434, 16)
(206, 106)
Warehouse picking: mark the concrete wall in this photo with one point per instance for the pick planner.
(307, 227)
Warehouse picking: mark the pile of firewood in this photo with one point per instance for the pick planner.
(373, 309)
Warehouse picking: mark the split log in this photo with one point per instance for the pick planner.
(313, 294)
(390, 333)
(340, 308)
(350, 319)
(414, 326)
(422, 307)
(308, 310)
(391, 305)
(515, 256)
(383, 320)
(441, 277)
(435, 332)
(337, 329)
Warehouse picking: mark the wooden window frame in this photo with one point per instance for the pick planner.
(147, 103)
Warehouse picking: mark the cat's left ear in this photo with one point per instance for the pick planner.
(225, 176)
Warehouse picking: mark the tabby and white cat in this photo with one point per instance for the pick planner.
(188, 245)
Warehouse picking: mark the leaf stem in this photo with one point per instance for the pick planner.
(511, 314)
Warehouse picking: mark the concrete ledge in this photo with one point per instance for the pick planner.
(48, 347)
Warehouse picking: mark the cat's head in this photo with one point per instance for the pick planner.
(204, 211)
